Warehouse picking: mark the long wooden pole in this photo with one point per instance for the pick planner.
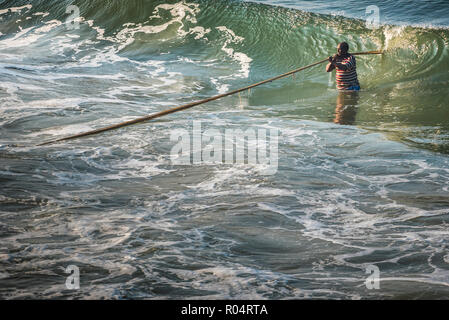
(192, 104)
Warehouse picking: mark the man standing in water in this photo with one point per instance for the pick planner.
(346, 68)
(347, 84)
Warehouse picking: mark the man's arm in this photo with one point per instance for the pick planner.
(340, 66)
(330, 66)
(334, 64)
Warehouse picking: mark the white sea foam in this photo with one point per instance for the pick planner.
(143, 167)
(19, 40)
(181, 12)
(199, 32)
(16, 9)
(351, 196)
(240, 57)
(43, 14)
(49, 25)
(221, 87)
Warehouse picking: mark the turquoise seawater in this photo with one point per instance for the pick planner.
(360, 181)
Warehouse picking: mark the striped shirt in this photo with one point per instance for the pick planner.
(347, 78)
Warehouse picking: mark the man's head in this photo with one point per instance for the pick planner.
(342, 48)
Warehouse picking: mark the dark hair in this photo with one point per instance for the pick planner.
(344, 46)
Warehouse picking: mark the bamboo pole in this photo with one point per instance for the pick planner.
(192, 104)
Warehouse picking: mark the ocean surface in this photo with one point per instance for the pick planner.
(359, 183)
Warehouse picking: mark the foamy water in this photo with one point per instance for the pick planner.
(368, 191)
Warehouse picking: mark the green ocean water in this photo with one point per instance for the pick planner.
(360, 180)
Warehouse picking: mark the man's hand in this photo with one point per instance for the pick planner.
(332, 63)
(333, 59)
